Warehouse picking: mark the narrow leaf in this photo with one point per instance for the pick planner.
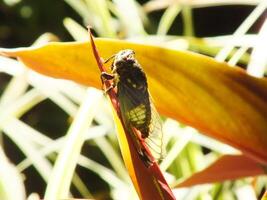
(227, 167)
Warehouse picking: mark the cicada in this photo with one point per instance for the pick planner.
(137, 110)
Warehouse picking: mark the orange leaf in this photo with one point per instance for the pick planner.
(227, 167)
(222, 102)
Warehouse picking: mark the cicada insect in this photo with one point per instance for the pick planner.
(135, 103)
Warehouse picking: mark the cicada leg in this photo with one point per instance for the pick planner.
(111, 57)
(107, 77)
(146, 158)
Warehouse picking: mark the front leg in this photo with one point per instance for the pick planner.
(106, 76)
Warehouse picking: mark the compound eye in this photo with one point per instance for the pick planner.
(129, 54)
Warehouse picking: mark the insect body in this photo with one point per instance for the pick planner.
(136, 107)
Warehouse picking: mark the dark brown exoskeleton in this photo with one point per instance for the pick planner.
(136, 107)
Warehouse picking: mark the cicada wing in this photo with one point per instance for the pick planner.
(131, 104)
(155, 139)
(134, 106)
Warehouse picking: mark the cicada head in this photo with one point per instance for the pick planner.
(123, 59)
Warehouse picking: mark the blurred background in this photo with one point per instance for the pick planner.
(22, 22)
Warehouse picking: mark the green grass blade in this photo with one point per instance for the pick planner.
(41, 164)
(168, 18)
(187, 20)
(131, 19)
(78, 32)
(59, 182)
(242, 29)
(177, 147)
(80, 7)
(258, 63)
(105, 21)
(10, 179)
(112, 157)
(16, 87)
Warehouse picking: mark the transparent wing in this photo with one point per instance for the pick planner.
(155, 140)
(131, 102)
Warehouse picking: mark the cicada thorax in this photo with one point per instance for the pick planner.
(133, 93)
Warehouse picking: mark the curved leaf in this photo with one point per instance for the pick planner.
(223, 102)
(227, 167)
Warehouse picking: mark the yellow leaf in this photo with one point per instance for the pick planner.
(222, 102)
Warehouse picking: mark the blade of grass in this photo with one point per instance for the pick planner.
(50, 146)
(135, 27)
(50, 90)
(106, 174)
(175, 150)
(80, 7)
(172, 126)
(10, 179)
(16, 87)
(104, 25)
(258, 61)
(31, 134)
(81, 186)
(187, 20)
(195, 157)
(78, 32)
(212, 144)
(155, 5)
(14, 67)
(72, 90)
(54, 146)
(41, 164)
(21, 105)
(242, 29)
(246, 40)
(60, 179)
(37, 138)
(168, 18)
(209, 3)
(237, 55)
(112, 157)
